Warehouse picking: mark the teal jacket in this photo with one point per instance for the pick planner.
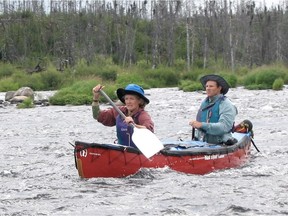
(217, 116)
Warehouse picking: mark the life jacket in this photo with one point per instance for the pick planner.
(209, 112)
(125, 131)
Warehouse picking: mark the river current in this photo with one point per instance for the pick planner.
(38, 174)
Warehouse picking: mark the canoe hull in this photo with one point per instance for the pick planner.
(102, 161)
(109, 160)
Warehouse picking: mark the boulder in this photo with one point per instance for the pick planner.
(18, 99)
(9, 95)
(25, 91)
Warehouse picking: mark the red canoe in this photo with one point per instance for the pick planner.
(191, 157)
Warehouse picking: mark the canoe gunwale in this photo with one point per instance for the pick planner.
(85, 145)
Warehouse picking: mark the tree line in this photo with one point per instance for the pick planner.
(149, 32)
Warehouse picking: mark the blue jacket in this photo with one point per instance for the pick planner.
(217, 116)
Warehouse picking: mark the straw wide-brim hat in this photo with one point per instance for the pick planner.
(220, 80)
(131, 89)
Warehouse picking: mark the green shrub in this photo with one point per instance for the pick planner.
(51, 79)
(250, 79)
(27, 103)
(196, 73)
(170, 78)
(264, 77)
(278, 84)
(161, 77)
(8, 84)
(108, 74)
(242, 71)
(199, 63)
(126, 78)
(33, 81)
(285, 79)
(101, 60)
(83, 69)
(267, 77)
(191, 75)
(18, 76)
(256, 87)
(188, 86)
(6, 70)
(46, 80)
(70, 98)
(231, 79)
(80, 93)
(180, 64)
(144, 64)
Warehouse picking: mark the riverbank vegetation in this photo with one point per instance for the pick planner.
(75, 45)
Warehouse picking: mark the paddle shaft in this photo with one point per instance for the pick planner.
(112, 103)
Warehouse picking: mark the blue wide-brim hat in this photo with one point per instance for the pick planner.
(131, 89)
(220, 80)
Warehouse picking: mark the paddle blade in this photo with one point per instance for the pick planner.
(146, 141)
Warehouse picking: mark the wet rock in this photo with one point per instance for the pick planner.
(4, 104)
(41, 99)
(18, 99)
(25, 91)
(9, 95)
(45, 103)
(15, 97)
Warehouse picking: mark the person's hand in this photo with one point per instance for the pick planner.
(96, 92)
(129, 120)
(195, 124)
(97, 88)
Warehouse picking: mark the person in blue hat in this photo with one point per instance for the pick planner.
(216, 115)
(134, 102)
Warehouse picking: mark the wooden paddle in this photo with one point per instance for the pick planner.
(144, 139)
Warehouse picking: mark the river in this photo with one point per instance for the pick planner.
(38, 174)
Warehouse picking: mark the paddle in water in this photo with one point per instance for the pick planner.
(144, 139)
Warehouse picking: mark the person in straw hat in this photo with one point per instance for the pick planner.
(216, 115)
(134, 101)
